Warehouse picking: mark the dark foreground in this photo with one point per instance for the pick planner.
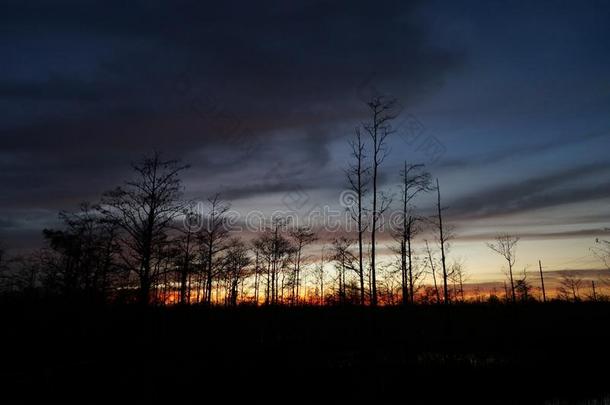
(554, 353)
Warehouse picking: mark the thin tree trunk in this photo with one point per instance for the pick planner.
(512, 283)
(374, 225)
(256, 278)
(410, 257)
(442, 243)
(436, 290)
(542, 281)
(360, 235)
(403, 272)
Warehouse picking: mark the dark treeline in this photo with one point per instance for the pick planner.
(144, 242)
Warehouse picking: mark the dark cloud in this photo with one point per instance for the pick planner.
(95, 84)
(562, 186)
(518, 151)
(259, 96)
(587, 233)
(52, 89)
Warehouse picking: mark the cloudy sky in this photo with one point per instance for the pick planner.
(507, 103)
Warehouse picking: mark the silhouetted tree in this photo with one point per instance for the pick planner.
(593, 296)
(414, 181)
(187, 250)
(506, 246)
(281, 251)
(569, 286)
(145, 208)
(542, 281)
(275, 252)
(358, 178)
(390, 284)
(85, 253)
(458, 278)
(433, 271)
(28, 272)
(302, 236)
(523, 287)
(344, 261)
(258, 255)
(212, 238)
(378, 128)
(320, 273)
(264, 250)
(602, 251)
(443, 237)
(235, 262)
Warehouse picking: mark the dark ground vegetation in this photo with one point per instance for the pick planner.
(470, 353)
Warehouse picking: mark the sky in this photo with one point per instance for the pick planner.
(507, 103)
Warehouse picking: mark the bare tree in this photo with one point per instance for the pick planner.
(358, 179)
(187, 245)
(212, 238)
(389, 284)
(263, 248)
(414, 181)
(444, 235)
(344, 261)
(281, 251)
(275, 254)
(31, 270)
(144, 209)
(302, 236)
(569, 286)
(235, 262)
(506, 246)
(82, 253)
(523, 287)
(433, 272)
(593, 296)
(320, 274)
(458, 278)
(602, 251)
(379, 128)
(258, 256)
(542, 281)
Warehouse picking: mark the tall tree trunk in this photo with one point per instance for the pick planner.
(410, 257)
(512, 283)
(374, 224)
(442, 243)
(542, 281)
(433, 269)
(185, 269)
(403, 272)
(256, 278)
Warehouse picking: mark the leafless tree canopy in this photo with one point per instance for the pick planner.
(602, 251)
(506, 246)
(569, 286)
(383, 111)
(414, 180)
(144, 209)
(358, 178)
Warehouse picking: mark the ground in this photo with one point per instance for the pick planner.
(67, 353)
